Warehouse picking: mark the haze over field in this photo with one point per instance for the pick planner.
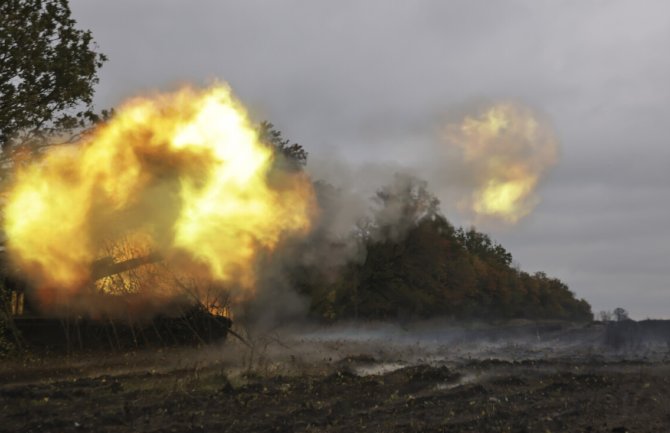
(373, 86)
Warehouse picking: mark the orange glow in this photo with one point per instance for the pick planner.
(507, 149)
(182, 174)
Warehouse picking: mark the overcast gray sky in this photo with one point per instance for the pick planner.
(371, 82)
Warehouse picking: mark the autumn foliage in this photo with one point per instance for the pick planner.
(419, 266)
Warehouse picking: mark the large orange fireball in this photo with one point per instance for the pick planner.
(185, 172)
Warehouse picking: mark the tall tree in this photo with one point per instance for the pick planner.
(402, 204)
(48, 69)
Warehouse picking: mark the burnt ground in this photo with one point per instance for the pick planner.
(335, 384)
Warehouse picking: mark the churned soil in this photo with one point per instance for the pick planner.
(353, 394)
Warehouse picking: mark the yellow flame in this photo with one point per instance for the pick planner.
(507, 149)
(185, 172)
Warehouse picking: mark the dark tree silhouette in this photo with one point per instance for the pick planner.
(620, 314)
(416, 264)
(295, 156)
(48, 69)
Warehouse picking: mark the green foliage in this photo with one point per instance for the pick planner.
(48, 69)
(481, 245)
(417, 265)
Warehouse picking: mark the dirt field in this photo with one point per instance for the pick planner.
(348, 380)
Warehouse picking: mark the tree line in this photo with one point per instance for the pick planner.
(418, 265)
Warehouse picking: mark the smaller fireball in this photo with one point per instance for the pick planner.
(507, 149)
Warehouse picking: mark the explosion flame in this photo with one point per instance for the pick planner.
(507, 148)
(185, 173)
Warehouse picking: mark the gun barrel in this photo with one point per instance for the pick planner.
(107, 267)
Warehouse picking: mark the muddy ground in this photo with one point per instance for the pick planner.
(350, 379)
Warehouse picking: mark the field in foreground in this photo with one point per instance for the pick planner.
(350, 380)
